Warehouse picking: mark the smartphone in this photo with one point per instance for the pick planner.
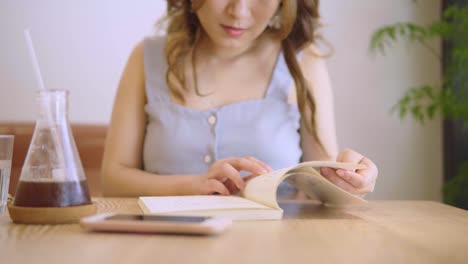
(164, 224)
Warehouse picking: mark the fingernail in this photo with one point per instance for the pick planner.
(340, 173)
(266, 168)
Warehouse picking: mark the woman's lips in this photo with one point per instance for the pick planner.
(233, 31)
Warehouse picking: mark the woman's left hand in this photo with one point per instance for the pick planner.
(359, 182)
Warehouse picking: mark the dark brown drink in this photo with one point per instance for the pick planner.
(52, 194)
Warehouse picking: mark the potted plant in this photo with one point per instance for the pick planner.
(450, 98)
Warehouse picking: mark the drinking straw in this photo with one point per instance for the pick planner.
(42, 87)
(34, 60)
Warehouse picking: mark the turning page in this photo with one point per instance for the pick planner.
(319, 188)
(305, 177)
(262, 189)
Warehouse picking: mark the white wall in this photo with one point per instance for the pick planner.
(366, 88)
(82, 45)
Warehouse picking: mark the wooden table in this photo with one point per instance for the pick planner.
(380, 232)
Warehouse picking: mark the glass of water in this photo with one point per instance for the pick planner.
(6, 153)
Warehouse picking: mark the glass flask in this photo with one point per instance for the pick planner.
(52, 173)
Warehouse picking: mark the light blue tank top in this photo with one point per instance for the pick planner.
(181, 140)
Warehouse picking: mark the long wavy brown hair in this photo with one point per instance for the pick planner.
(299, 23)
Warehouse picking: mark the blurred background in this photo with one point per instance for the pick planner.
(83, 45)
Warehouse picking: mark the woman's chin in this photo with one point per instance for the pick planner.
(233, 43)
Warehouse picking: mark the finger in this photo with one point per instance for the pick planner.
(325, 171)
(357, 180)
(331, 175)
(262, 164)
(249, 177)
(371, 171)
(349, 156)
(364, 191)
(215, 186)
(231, 173)
(246, 165)
(231, 186)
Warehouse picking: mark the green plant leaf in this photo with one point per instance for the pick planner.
(451, 98)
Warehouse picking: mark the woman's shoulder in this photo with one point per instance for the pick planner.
(312, 55)
(314, 67)
(313, 62)
(136, 55)
(150, 45)
(138, 49)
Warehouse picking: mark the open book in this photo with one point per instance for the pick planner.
(258, 199)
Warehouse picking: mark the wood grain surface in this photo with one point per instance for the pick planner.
(380, 232)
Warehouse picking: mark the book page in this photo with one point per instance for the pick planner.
(262, 189)
(331, 164)
(316, 186)
(164, 204)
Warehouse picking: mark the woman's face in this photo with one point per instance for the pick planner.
(235, 23)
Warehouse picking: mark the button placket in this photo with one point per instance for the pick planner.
(209, 158)
(212, 120)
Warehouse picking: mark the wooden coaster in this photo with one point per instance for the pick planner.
(50, 215)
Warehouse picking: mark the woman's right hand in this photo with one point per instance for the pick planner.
(223, 176)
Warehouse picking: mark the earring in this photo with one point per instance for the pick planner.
(275, 21)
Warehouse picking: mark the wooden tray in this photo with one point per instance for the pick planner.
(50, 215)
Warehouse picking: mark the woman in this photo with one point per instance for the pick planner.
(236, 86)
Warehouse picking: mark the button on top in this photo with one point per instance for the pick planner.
(212, 120)
(207, 159)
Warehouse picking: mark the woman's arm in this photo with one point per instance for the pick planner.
(122, 162)
(316, 74)
(359, 182)
(122, 172)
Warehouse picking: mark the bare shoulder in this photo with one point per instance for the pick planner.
(138, 49)
(312, 59)
(314, 69)
(150, 47)
(136, 56)
(313, 66)
(132, 79)
(134, 68)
